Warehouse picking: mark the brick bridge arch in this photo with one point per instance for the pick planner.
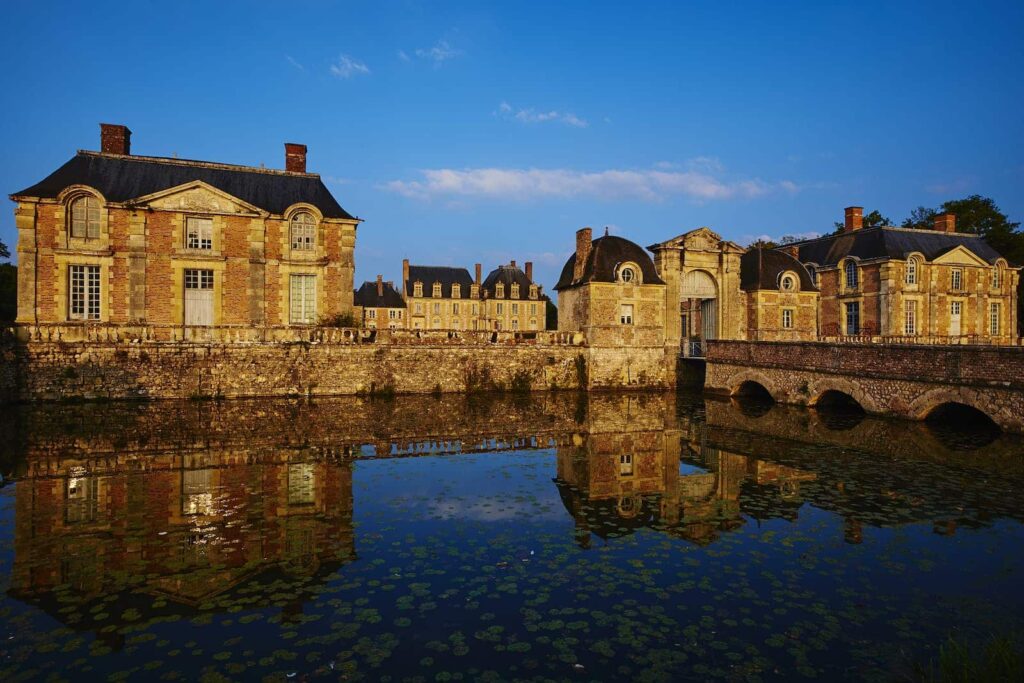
(818, 388)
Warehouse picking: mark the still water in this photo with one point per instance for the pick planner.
(620, 537)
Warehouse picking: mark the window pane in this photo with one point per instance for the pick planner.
(199, 233)
(303, 299)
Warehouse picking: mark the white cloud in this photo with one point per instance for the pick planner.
(537, 183)
(294, 62)
(403, 56)
(506, 110)
(440, 53)
(346, 67)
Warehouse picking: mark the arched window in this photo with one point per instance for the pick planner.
(627, 274)
(813, 272)
(850, 269)
(303, 231)
(85, 217)
(995, 276)
(788, 283)
(912, 271)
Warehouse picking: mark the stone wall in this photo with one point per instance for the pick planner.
(119, 368)
(900, 380)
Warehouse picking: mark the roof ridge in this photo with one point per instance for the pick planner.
(196, 163)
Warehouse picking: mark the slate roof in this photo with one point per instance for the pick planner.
(446, 275)
(123, 178)
(366, 296)
(890, 243)
(606, 253)
(507, 275)
(761, 268)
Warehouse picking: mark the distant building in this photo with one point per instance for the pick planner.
(378, 305)
(512, 300)
(112, 237)
(441, 297)
(900, 282)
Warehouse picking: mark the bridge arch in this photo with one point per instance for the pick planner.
(927, 403)
(828, 386)
(750, 377)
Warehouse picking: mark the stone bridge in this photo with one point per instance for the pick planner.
(909, 381)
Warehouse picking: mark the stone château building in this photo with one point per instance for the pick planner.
(112, 237)
(441, 297)
(378, 305)
(512, 300)
(917, 284)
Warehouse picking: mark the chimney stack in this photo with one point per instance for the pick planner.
(294, 157)
(405, 277)
(792, 250)
(945, 222)
(115, 139)
(477, 280)
(529, 271)
(380, 286)
(584, 240)
(854, 218)
(512, 264)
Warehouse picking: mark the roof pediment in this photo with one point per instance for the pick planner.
(198, 196)
(701, 239)
(960, 255)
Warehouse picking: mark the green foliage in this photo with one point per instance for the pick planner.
(337, 320)
(920, 218)
(875, 219)
(4, 251)
(1000, 659)
(8, 292)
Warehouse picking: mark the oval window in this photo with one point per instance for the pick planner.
(788, 283)
(627, 274)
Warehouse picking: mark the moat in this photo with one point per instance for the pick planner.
(541, 537)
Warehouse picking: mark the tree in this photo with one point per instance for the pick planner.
(4, 253)
(920, 218)
(762, 243)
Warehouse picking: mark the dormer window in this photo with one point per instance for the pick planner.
(198, 233)
(788, 283)
(436, 291)
(85, 218)
(627, 274)
(303, 231)
(850, 269)
(813, 272)
(912, 271)
(456, 291)
(417, 289)
(515, 290)
(499, 291)
(474, 291)
(533, 291)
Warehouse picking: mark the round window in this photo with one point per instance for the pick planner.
(788, 283)
(627, 274)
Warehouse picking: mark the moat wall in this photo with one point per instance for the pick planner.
(123, 369)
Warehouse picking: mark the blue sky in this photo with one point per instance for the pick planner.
(473, 131)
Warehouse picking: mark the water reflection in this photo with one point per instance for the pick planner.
(132, 514)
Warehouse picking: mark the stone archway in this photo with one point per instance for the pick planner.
(735, 381)
(820, 387)
(923, 405)
(699, 307)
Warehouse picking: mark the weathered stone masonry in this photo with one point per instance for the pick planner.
(891, 379)
(123, 369)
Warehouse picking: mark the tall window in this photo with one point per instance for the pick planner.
(813, 272)
(499, 290)
(995, 277)
(85, 218)
(787, 318)
(853, 318)
(301, 483)
(626, 314)
(82, 493)
(456, 291)
(198, 296)
(84, 299)
(515, 309)
(912, 271)
(515, 290)
(455, 309)
(303, 299)
(303, 231)
(533, 291)
(533, 309)
(957, 279)
(851, 274)
(499, 308)
(437, 309)
(417, 289)
(198, 233)
(436, 289)
(993, 319)
(909, 317)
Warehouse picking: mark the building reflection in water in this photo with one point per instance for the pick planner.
(117, 504)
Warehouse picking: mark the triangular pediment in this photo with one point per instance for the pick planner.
(701, 239)
(198, 196)
(960, 255)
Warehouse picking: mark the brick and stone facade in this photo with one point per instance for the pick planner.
(117, 238)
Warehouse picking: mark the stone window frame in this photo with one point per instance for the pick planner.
(995, 313)
(417, 289)
(456, 291)
(628, 273)
(66, 199)
(435, 290)
(455, 308)
(812, 272)
(788, 319)
(850, 272)
(996, 280)
(912, 276)
(499, 290)
(305, 222)
(316, 250)
(534, 291)
(956, 279)
(625, 464)
(791, 277)
(845, 317)
(89, 312)
(514, 293)
(627, 314)
(911, 326)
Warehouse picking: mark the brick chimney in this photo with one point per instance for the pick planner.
(477, 268)
(584, 240)
(380, 286)
(511, 264)
(115, 139)
(405, 277)
(294, 157)
(854, 218)
(792, 250)
(529, 270)
(945, 222)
